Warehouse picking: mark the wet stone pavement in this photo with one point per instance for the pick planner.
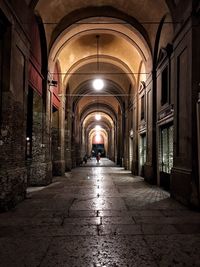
(99, 217)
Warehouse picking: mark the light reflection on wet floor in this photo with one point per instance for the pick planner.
(99, 217)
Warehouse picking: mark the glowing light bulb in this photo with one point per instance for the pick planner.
(98, 117)
(98, 84)
(97, 127)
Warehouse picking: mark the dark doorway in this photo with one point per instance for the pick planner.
(166, 155)
(98, 148)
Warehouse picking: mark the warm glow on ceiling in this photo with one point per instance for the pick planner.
(98, 137)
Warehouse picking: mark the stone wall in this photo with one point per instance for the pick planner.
(13, 173)
(13, 183)
(185, 180)
(38, 169)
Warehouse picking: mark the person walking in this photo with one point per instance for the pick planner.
(98, 157)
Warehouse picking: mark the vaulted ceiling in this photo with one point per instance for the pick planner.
(122, 55)
(147, 12)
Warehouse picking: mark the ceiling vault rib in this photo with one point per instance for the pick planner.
(116, 23)
(95, 95)
(102, 73)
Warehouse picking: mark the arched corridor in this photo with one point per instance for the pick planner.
(107, 87)
(99, 216)
(109, 79)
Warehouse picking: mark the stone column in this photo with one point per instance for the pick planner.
(58, 145)
(119, 139)
(126, 140)
(112, 150)
(135, 136)
(150, 170)
(37, 162)
(68, 138)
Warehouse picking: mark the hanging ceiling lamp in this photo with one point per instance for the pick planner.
(98, 83)
(97, 128)
(98, 117)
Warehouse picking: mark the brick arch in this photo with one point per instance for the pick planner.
(38, 59)
(92, 108)
(89, 12)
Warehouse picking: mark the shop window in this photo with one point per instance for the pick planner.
(142, 107)
(142, 153)
(166, 149)
(165, 86)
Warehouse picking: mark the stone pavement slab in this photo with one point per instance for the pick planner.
(103, 217)
(22, 251)
(98, 251)
(175, 250)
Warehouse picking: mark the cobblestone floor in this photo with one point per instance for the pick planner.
(99, 217)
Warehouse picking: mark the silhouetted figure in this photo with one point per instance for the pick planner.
(85, 158)
(98, 157)
(92, 153)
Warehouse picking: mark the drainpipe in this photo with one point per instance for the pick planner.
(123, 134)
